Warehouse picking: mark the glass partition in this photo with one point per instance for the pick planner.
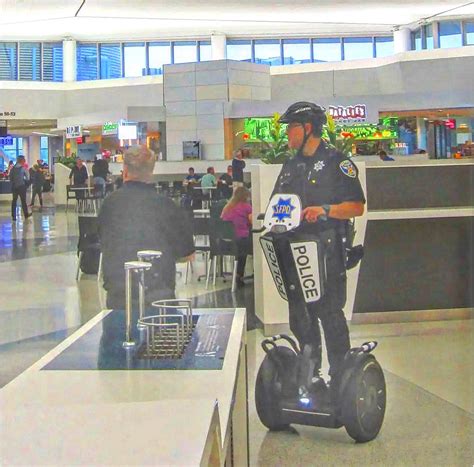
(450, 34)
(134, 58)
(205, 51)
(30, 61)
(296, 51)
(52, 61)
(239, 50)
(383, 46)
(358, 48)
(159, 54)
(267, 51)
(110, 61)
(184, 52)
(327, 50)
(8, 55)
(86, 61)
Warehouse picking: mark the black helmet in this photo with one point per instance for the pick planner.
(306, 112)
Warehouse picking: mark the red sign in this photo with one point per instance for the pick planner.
(450, 123)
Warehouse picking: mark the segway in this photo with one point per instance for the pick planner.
(283, 392)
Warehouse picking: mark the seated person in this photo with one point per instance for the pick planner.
(208, 181)
(225, 184)
(384, 156)
(239, 211)
(191, 179)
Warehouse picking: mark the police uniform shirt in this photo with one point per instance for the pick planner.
(136, 218)
(327, 177)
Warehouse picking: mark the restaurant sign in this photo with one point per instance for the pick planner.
(73, 131)
(348, 114)
(110, 129)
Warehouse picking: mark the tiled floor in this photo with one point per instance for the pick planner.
(428, 366)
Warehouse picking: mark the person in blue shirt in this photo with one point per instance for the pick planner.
(384, 156)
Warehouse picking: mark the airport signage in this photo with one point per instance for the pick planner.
(110, 129)
(7, 113)
(6, 141)
(73, 132)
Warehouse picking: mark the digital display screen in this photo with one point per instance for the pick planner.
(127, 131)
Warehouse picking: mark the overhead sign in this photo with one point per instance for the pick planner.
(110, 129)
(6, 141)
(74, 131)
(348, 114)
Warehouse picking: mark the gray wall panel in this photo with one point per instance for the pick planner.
(419, 264)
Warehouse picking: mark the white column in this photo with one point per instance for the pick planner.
(218, 46)
(69, 60)
(401, 40)
(33, 149)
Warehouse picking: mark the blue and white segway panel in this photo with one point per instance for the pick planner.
(306, 257)
(284, 211)
(272, 261)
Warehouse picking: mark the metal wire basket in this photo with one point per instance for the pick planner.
(169, 332)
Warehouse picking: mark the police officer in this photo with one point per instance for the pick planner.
(328, 185)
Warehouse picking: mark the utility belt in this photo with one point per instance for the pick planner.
(302, 263)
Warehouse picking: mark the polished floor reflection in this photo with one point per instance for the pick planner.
(428, 366)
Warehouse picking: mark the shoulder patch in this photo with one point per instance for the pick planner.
(347, 168)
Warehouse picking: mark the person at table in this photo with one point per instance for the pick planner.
(225, 184)
(208, 181)
(239, 211)
(191, 179)
(136, 218)
(78, 177)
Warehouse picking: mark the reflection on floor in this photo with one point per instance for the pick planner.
(428, 366)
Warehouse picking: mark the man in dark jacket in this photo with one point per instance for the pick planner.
(136, 218)
(19, 179)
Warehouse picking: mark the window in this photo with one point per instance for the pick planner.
(52, 61)
(417, 43)
(8, 56)
(205, 51)
(30, 61)
(358, 48)
(110, 61)
(428, 30)
(383, 46)
(296, 51)
(469, 30)
(450, 34)
(159, 54)
(239, 50)
(44, 149)
(184, 52)
(86, 61)
(12, 151)
(134, 57)
(327, 50)
(268, 52)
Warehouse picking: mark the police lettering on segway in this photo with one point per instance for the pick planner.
(308, 262)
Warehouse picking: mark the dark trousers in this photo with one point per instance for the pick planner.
(21, 192)
(37, 190)
(244, 248)
(304, 323)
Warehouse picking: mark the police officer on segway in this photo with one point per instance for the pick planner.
(328, 185)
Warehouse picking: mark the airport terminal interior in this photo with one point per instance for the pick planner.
(197, 83)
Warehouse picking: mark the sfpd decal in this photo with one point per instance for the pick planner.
(347, 168)
(282, 209)
(319, 166)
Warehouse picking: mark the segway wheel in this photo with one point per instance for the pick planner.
(363, 403)
(273, 382)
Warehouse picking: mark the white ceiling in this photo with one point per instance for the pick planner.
(146, 19)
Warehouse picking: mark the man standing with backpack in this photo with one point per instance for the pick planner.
(19, 179)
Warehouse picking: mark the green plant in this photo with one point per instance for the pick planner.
(67, 161)
(275, 150)
(338, 140)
